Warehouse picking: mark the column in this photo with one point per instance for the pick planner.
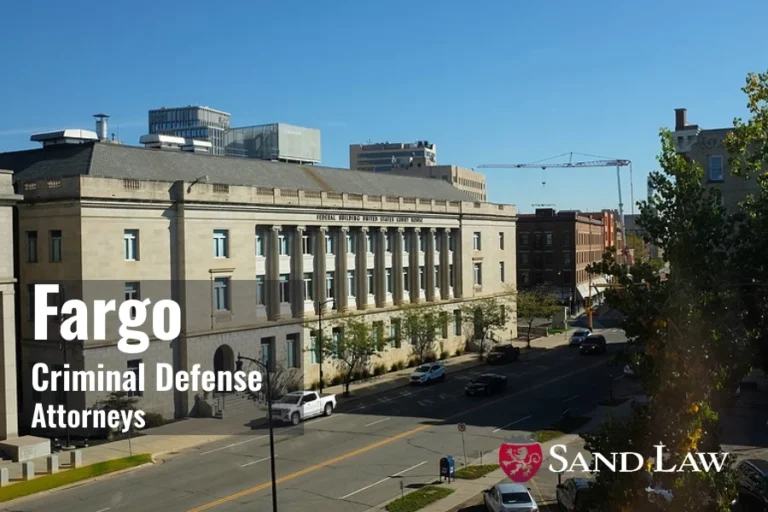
(297, 272)
(341, 269)
(445, 285)
(273, 274)
(429, 264)
(414, 265)
(379, 268)
(397, 266)
(458, 270)
(361, 268)
(319, 270)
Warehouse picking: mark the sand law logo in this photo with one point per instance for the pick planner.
(520, 461)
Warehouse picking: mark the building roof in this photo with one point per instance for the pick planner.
(116, 161)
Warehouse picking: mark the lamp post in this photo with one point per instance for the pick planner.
(239, 367)
(320, 338)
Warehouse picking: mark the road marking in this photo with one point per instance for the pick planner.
(104, 509)
(574, 397)
(542, 367)
(443, 396)
(513, 423)
(382, 480)
(375, 422)
(619, 377)
(234, 444)
(385, 441)
(425, 402)
(255, 462)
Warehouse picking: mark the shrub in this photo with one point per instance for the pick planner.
(444, 355)
(315, 385)
(411, 362)
(459, 351)
(336, 380)
(356, 375)
(154, 419)
(379, 369)
(365, 374)
(430, 358)
(394, 367)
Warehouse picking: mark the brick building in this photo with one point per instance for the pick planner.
(554, 250)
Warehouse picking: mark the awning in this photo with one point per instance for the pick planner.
(584, 291)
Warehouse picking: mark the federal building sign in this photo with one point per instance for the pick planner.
(369, 218)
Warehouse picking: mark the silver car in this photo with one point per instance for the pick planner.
(509, 497)
(579, 336)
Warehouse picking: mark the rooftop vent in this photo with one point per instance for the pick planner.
(69, 136)
(101, 125)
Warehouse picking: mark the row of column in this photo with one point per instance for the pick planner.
(340, 281)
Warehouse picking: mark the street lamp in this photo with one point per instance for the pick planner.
(320, 338)
(239, 367)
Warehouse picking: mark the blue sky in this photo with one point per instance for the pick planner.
(488, 82)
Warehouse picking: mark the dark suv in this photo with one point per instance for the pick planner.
(502, 354)
(753, 484)
(570, 494)
(594, 344)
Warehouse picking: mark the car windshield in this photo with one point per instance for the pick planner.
(580, 333)
(512, 498)
(498, 349)
(423, 369)
(483, 379)
(289, 399)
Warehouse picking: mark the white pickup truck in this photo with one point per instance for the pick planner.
(298, 406)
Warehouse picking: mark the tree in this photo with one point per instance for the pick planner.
(485, 315)
(120, 401)
(533, 304)
(420, 325)
(356, 344)
(636, 243)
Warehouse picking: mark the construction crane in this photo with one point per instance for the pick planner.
(604, 162)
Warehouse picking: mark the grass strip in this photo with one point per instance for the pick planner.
(419, 499)
(70, 476)
(475, 472)
(560, 428)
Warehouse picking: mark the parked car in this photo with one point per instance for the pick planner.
(753, 484)
(299, 406)
(509, 497)
(570, 494)
(503, 354)
(486, 384)
(428, 373)
(594, 344)
(578, 337)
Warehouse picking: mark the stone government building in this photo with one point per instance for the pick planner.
(248, 248)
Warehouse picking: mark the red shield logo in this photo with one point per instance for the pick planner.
(520, 461)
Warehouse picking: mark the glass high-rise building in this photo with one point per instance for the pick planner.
(194, 122)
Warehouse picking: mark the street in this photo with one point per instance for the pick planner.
(358, 457)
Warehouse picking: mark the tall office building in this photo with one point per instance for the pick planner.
(278, 142)
(386, 156)
(192, 122)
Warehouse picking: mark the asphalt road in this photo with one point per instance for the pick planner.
(358, 457)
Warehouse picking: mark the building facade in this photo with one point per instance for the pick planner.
(705, 147)
(191, 122)
(277, 141)
(386, 156)
(554, 250)
(466, 180)
(251, 250)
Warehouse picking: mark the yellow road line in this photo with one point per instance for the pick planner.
(378, 444)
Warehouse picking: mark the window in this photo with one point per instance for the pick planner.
(306, 245)
(314, 347)
(266, 352)
(351, 243)
(330, 289)
(548, 239)
(377, 331)
(220, 243)
(457, 322)
(437, 276)
(444, 324)
(566, 257)
(221, 294)
(450, 275)
(370, 281)
(31, 246)
(567, 238)
(422, 242)
(501, 271)
(308, 288)
(523, 238)
(422, 278)
(406, 279)
(388, 279)
(407, 243)
(55, 246)
(132, 293)
(478, 274)
(31, 302)
(292, 350)
(133, 367)
(284, 244)
(715, 168)
(525, 277)
(131, 244)
(524, 258)
(260, 243)
(261, 290)
(438, 241)
(351, 283)
(394, 332)
(388, 242)
(284, 288)
(501, 241)
(548, 258)
(369, 242)
(330, 247)
(476, 242)
(566, 276)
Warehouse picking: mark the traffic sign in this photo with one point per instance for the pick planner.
(462, 427)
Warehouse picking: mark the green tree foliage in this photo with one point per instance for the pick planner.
(353, 349)
(419, 325)
(637, 243)
(533, 304)
(484, 316)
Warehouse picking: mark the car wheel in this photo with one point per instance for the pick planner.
(328, 409)
(295, 418)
